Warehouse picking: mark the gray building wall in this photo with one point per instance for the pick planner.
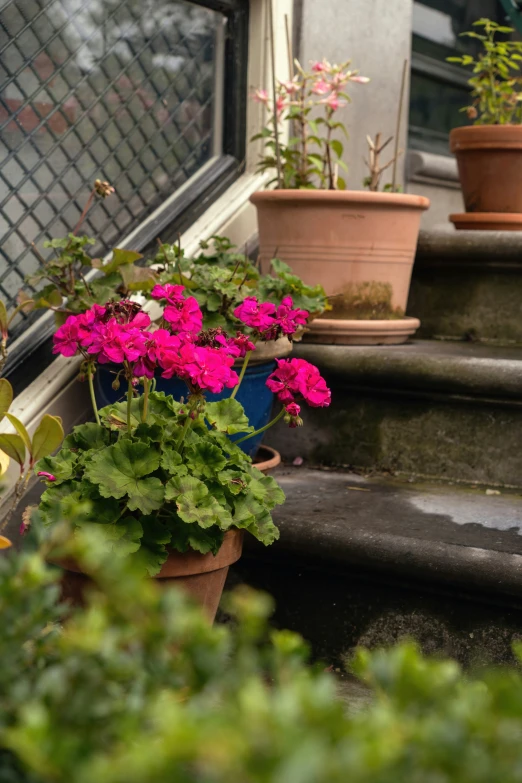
(376, 36)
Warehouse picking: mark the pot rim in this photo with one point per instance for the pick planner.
(274, 459)
(486, 137)
(362, 197)
(366, 325)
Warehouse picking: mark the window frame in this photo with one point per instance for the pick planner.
(30, 352)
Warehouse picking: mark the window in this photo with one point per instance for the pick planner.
(129, 91)
(439, 89)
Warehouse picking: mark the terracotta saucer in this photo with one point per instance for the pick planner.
(331, 331)
(487, 221)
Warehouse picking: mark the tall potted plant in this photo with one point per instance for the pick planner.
(159, 478)
(343, 239)
(489, 152)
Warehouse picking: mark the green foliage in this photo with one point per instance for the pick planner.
(220, 279)
(138, 687)
(162, 483)
(495, 82)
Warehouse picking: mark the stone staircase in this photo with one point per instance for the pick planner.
(405, 517)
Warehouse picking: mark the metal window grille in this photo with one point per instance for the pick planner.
(122, 90)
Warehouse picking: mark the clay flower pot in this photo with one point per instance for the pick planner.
(489, 158)
(202, 576)
(353, 243)
(266, 459)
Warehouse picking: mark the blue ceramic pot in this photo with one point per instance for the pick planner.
(255, 397)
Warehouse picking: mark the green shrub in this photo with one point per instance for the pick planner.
(138, 688)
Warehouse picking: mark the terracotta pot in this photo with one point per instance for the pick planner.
(329, 331)
(489, 158)
(267, 459)
(342, 239)
(202, 576)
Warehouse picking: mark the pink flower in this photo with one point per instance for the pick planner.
(257, 316)
(319, 67)
(46, 476)
(333, 102)
(172, 293)
(242, 344)
(297, 377)
(67, 338)
(207, 368)
(291, 87)
(261, 96)
(311, 384)
(359, 79)
(289, 320)
(283, 381)
(293, 409)
(321, 87)
(184, 315)
(114, 342)
(280, 104)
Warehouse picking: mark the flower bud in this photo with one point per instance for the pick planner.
(116, 383)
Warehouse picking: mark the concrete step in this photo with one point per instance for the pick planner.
(432, 409)
(369, 560)
(468, 285)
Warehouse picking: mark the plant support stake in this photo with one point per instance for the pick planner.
(274, 93)
(398, 128)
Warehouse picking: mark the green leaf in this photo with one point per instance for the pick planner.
(153, 552)
(227, 416)
(185, 537)
(120, 257)
(19, 427)
(119, 470)
(205, 459)
(6, 396)
(266, 489)
(123, 537)
(47, 437)
(62, 466)
(3, 317)
(337, 147)
(195, 504)
(88, 436)
(13, 446)
(171, 461)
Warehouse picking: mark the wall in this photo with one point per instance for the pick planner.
(376, 35)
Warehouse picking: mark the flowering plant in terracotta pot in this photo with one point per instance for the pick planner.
(305, 218)
(161, 479)
(489, 152)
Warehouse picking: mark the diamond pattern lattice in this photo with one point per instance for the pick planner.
(121, 90)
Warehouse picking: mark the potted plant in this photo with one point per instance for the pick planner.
(161, 479)
(219, 279)
(339, 238)
(489, 152)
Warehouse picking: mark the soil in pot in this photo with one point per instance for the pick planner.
(201, 576)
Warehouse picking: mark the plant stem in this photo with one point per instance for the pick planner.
(188, 422)
(129, 404)
(262, 429)
(91, 392)
(241, 374)
(19, 492)
(146, 389)
(85, 210)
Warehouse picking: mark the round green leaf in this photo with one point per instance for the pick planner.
(47, 437)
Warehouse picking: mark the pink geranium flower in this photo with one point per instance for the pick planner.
(320, 67)
(207, 368)
(261, 96)
(67, 338)
(184, 315)
(283, 381)
(289, 320)
(172, 293)
(257, 316)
